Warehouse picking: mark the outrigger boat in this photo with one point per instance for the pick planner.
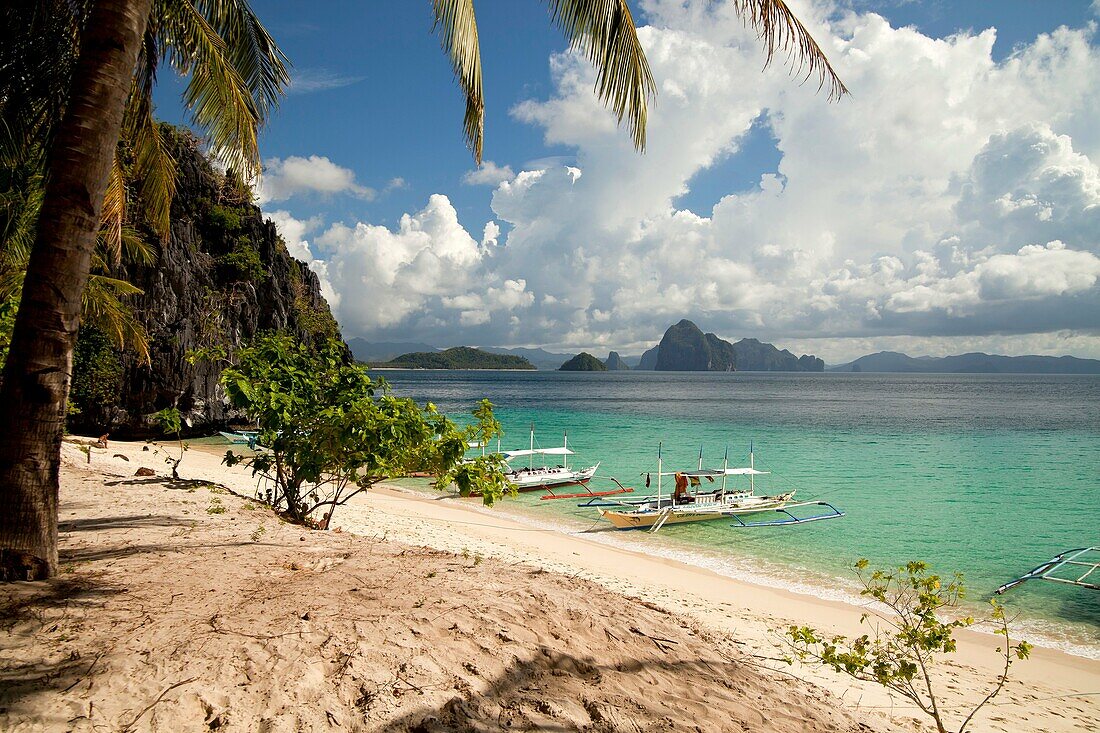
(241, 437)
(1067, 563)
(685, 505)
(537, 478)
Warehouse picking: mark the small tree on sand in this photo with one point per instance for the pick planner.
(902, 650)
(170, 422)
(327, 431)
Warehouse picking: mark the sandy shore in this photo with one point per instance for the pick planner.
(283, 629)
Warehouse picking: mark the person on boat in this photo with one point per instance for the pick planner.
(681, 495)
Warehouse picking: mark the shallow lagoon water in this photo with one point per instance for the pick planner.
(985, 474)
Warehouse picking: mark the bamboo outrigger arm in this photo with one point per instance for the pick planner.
(1070, 560)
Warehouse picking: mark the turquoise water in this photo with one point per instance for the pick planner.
(985, 474)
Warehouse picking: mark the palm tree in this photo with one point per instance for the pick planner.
(111, 50)
(236, 76)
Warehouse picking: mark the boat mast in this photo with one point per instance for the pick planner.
(659, 475)
(752, 468)
(531, 455)
(725, 465)
(565, 458)
(700, 458)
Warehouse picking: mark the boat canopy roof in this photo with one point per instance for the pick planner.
(704, 472)
(510, 454)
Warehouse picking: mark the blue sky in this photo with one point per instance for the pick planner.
(374, 97)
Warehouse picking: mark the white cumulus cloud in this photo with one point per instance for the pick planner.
(284, 178)
(488, 174)
(952, 196)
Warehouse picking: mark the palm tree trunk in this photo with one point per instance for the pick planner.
(35, 389)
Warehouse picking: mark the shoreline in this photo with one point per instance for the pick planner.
(774, 575)
(752, 612)
(1052, 691)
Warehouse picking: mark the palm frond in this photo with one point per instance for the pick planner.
(135, 248)
(781, 31)
(253, 52)
(114, 212)
(102, 306)
(216, 95)
(603, 30)
(154, 167)
(457, 27)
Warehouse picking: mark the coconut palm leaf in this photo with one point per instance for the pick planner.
(603, 30)
(154, 168)
(259, 62)
(216, 94)
(781, 31)
(457, 28)
(114, 212)
(102, 306)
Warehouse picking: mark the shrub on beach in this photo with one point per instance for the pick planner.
(329, 431)
(907, 637)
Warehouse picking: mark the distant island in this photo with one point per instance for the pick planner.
(973, 363)
(615, 363)
(685, 348)
(379, 351)
(459, 357)
(583, 362)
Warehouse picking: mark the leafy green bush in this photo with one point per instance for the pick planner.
(329, 432)
(97, 375)
(902, 650)
(242, 263)
(224, 218)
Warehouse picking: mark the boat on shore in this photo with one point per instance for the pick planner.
(534, 477)
(538, 474)
(688, 502)
(241, 437)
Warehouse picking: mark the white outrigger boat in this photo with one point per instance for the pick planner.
(684, 505)
(241, 437)
(533, 477)
(536, 478)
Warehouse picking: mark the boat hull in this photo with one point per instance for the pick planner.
(647, 516)
(549, 478)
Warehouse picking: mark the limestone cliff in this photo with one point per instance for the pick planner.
(685, 348)
(222, 276)
(583, 362)
(614, 362)
(752, 355)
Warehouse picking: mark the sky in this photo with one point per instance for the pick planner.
(951, 203)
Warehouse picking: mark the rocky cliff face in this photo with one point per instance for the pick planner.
(685, 348)
(752, 355)
(614, 362)
(222, 276)
(649, 359)
(583, 362)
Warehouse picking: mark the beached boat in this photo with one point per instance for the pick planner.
(533, 477)
(690, 502)
(1080, 567)
(241, 437)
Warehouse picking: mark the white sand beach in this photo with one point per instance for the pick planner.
(181, 607)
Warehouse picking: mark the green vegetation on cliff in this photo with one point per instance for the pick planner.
(459, 357)
(583, 362)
